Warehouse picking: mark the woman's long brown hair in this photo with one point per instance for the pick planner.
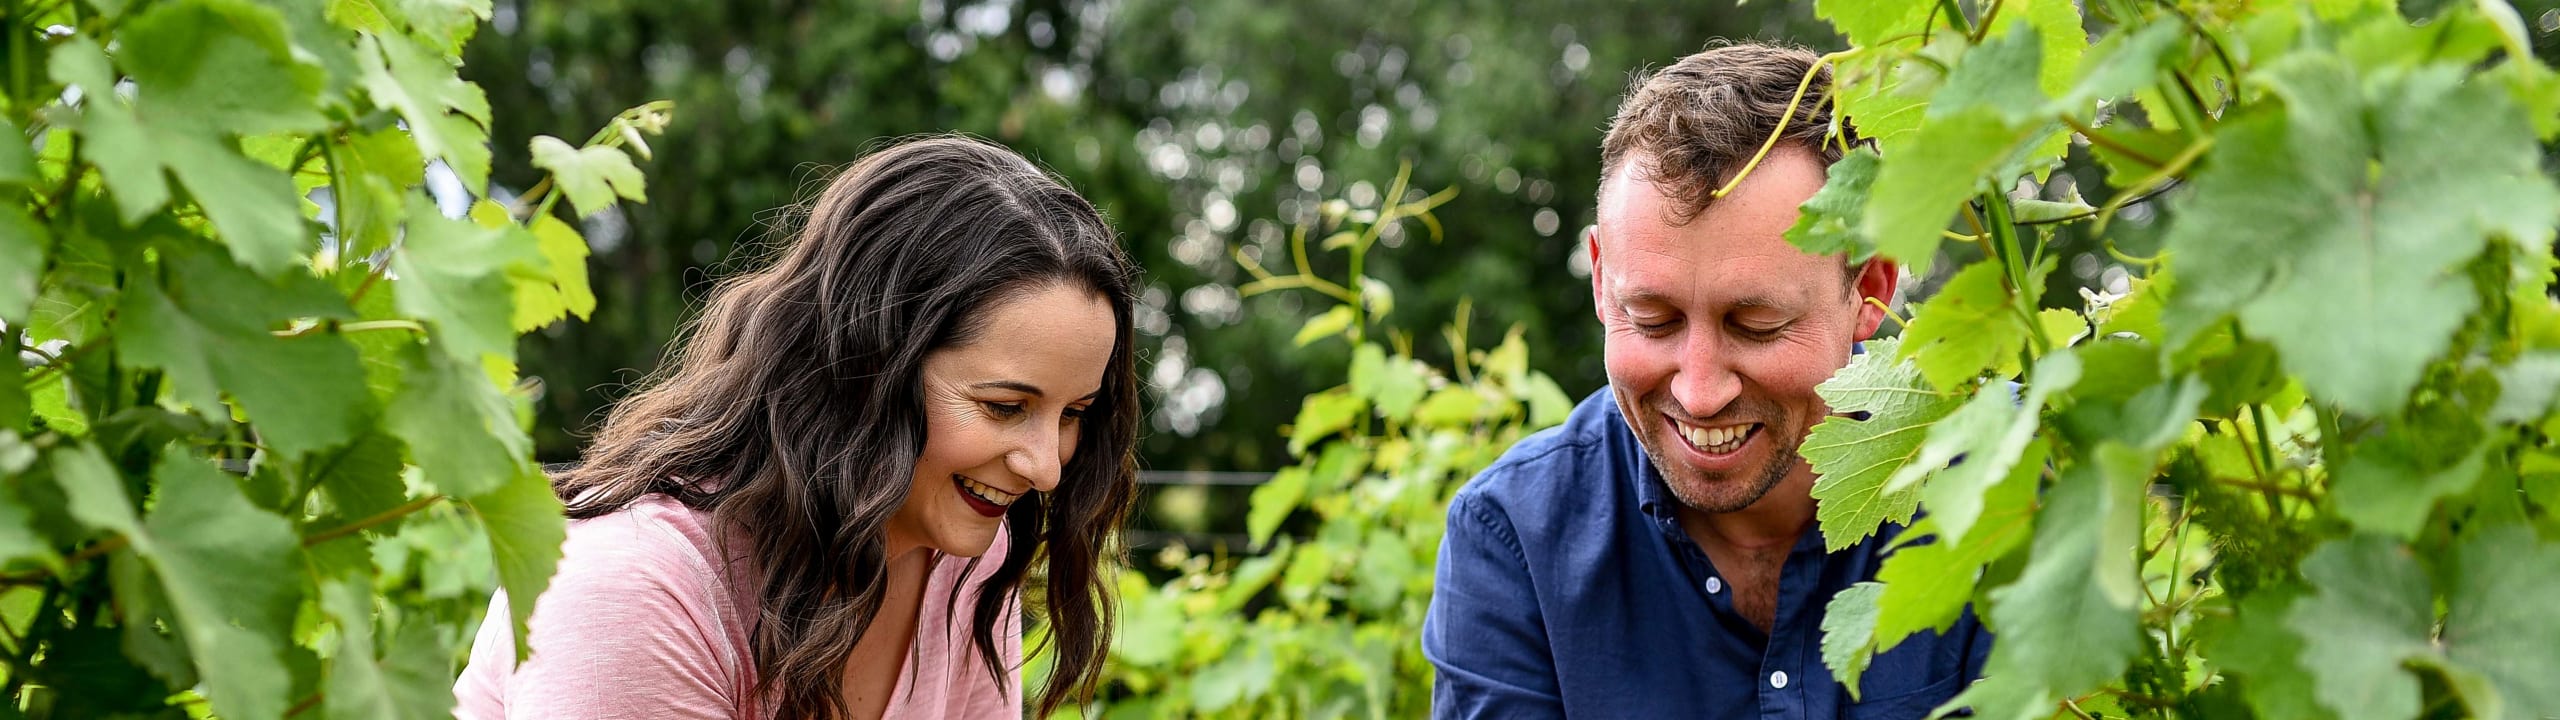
(791, 412)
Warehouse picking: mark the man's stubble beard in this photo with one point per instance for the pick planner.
(1698, 496)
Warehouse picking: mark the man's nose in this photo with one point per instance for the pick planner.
(1704, 382)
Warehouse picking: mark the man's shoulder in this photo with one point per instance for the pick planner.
(1561, 468)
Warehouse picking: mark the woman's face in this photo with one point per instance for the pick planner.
(1002, 415)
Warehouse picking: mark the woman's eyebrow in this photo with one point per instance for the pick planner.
(1013, 385)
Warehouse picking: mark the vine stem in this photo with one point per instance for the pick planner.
(1802, 84)
(377, 519)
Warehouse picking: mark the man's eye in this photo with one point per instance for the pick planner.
(1651, 326)
(1003, 410)
(1758, 332)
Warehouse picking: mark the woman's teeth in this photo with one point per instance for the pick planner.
(983, 491)
(1718, 440)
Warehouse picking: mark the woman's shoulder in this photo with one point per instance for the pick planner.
(651, 551)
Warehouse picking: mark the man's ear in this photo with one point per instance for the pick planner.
(1874, 285)
(1591, 239)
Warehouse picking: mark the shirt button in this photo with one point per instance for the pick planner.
(1715, 585)
(1778, 679)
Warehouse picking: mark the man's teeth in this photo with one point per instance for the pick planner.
(1717, 439)
(986, 492)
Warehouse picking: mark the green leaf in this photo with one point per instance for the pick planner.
(20, 544)
(1324, 413)
(1855, 457)
(1971, 325)
(1548, 405)
(23, 242)
(408, 680)
(1450, 407)
(1999, 76)
(2126, 61)
(1386, 560)
(1827, 223)
(461, 430)
(2389, 485)
(2498, 619)
(2067, 625)
(121, 149)
(1927, 585)
(229, 572)
(1273, 501)
(17, 159)
(2254, 644)
(590, 176)
(1332, 322)
(1241, 676)
(2369, 612)
(1872, 22)
(221, 66)
(93, 493)
(210, 324)
(454, 274)
(1848, 633)
(2352, 270)
(526, 525)
(445, 113)
(1918, 190)
(203, 71)
(1990, 435)
(375, 173)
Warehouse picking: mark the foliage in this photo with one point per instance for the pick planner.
(266, 452)
(1196, 125)
(2305, 466)
(1320, 621)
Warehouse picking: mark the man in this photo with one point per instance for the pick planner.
(1656, 556)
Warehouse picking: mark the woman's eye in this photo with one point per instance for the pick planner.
(1075, 413)
(1003, 410)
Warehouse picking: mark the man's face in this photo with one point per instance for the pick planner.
(1718, 329)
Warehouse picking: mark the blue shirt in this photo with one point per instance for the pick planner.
(1566, 587)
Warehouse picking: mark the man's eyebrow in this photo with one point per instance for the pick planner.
(1025, 388)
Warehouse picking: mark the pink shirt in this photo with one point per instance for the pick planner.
(641, 621)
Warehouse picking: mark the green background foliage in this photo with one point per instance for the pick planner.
(2245, 334)
(266, 452)
(2302, 465)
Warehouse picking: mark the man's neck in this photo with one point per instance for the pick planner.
(1775, 522)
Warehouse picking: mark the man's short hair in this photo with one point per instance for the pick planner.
(1697, 122)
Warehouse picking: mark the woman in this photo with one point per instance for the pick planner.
(826, 506)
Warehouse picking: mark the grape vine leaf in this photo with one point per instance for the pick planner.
(1971, 325)
(1984, 439)
(445, 114)
(2254, 644)
(526, 526)
(202, 71)
(17, 160)
(228, 569)
(591, 177)
(2348, 270)
(1872, 22)
(22, 250)
(2067, 625)
(1926, 585)
(1848, 632)
(1854, 457)
(454, 275)
(563, 290)
(1827, 223)
(462, 432)
(405, 679)
(210, 324)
